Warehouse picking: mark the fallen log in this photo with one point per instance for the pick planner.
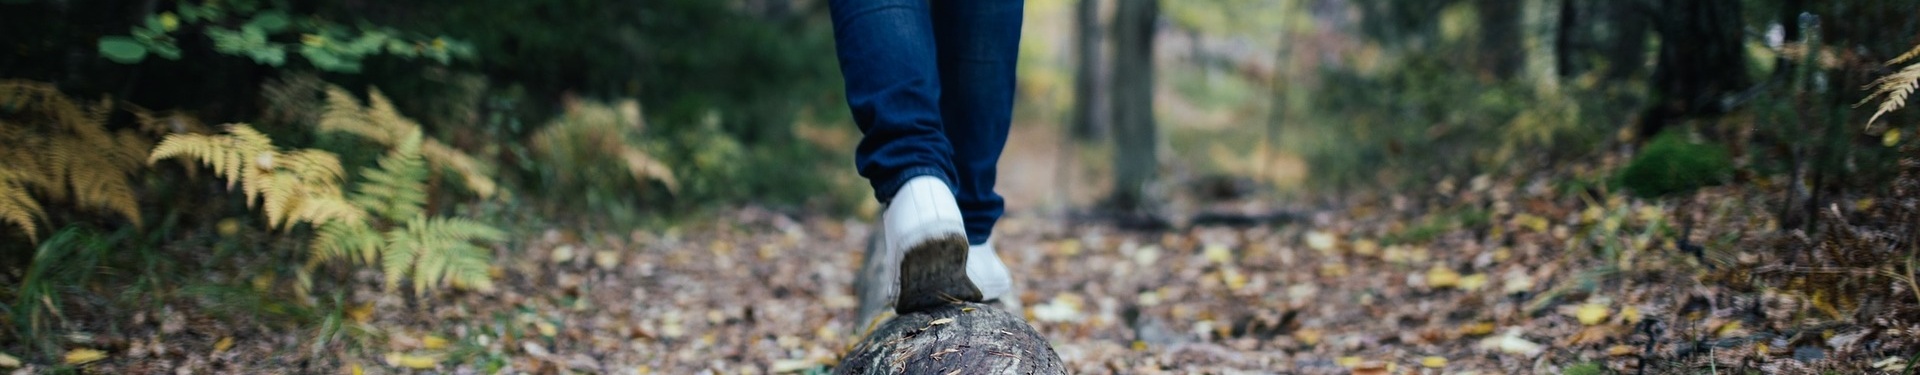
(961, 338)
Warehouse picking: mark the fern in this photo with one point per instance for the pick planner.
(397, 189)
(292, 187)
(592, 138)
(438, 251)
(380, 123)
(15, 206)
(59, 148)
(1894, 88)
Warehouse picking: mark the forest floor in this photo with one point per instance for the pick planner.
(1480, 275)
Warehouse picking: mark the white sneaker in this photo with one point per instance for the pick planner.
(988, 273)
(920, 248)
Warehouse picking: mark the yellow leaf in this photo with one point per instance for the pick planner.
(1473, 282)
(940, 321)
(1307, 336)
(1434, 361)
(1891, 138)
(1440, 277)
(1366, 248)
(1732, 328)
(361, 313)
(434, 342)
(83, 356)
(1477, 329)
(1621, 350)
(1234, 279)
(222, 345)
(1322, 241)
(169, 21)
(1219, 254)
(1348, 361)
(1630, 314)
(1535, 223)
(1139, 345)
(1591, 313)
(355, 369)
(417, 362)
(546, 328)
(1863, 204)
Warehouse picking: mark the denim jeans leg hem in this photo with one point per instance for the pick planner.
(884, 190)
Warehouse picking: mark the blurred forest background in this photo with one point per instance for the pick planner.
(1565, 186)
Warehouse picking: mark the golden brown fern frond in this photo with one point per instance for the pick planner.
(381, 123)
(293, 187)
(61, 148)
(1893, 90)
(591, 134)
(475, 175)
(15, 206)
(1904, 57)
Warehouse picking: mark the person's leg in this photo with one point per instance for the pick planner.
(888, 58)
(979, 43)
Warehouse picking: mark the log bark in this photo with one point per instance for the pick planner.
(969, 338)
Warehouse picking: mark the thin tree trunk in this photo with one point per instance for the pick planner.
(1500, 55)
(1089, 115)
(1136, 140)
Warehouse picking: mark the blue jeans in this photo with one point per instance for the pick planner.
(895, 55)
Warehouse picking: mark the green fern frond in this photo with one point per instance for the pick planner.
(346, 239)
(441, 251)
(1893, 89)
(344, 114)
(397, 189)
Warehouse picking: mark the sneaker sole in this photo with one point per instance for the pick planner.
(934, 273)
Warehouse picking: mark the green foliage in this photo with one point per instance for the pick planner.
(261, 32)
(597, 151)
(1672, 164)
(61, 265)
(384, 220)
(1586, 368)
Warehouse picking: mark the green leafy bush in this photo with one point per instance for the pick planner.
(1672, 164)
(267, 33)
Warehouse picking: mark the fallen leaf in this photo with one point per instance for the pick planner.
(83, 356)
(562, 254)
(1218, 253)
(1891, 364)
(361, 313)
(1891, 138)
(1476, 329)
(1591, 313)
(1433, 361)
(1366, 248)
(356, 370)
(434, 342)
(222, 345)
(546, 328)
(1440, 277)
(940, 321)
(1307, 336)
(1473, 282)
(412, 361)
(1348, 361)
(1321, 241)
(1621, 350)
(1631, 314)
(1511, 343)
(791, 365)
(606, 259)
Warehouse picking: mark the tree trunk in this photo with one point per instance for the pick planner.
(1627, 44)
(1702, 60)
(1565, 42)
(969, 338)
(1501, 55)
(1089, 115)
(1136, 140)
